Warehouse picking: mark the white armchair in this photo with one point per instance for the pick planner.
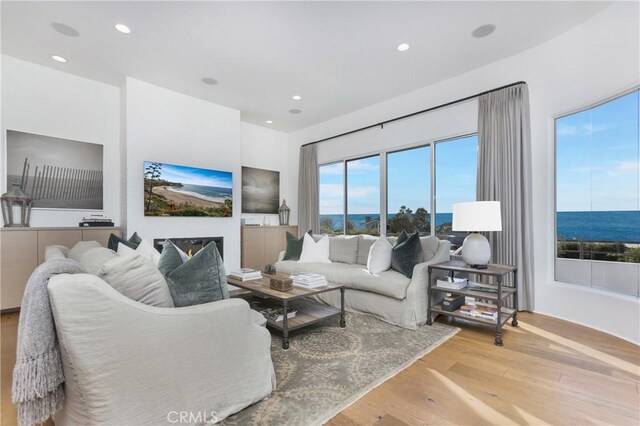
(129, 363)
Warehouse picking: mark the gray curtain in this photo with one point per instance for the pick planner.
(504, 174)
(308, 189)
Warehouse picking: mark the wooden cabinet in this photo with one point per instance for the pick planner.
(22, 250)
(261, 245)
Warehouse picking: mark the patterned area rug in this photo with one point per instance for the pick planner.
(327, 368)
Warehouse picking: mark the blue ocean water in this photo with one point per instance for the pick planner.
(616, 226)
(209, 193)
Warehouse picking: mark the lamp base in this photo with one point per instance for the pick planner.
(476, 251)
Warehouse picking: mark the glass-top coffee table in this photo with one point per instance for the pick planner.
(308, 311)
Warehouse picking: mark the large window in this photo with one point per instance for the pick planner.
(409, 190)
(410, 177)
(456, 171)
(363, 196)
(598, 195)
(331, 198)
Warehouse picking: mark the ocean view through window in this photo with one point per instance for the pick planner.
(598, 182)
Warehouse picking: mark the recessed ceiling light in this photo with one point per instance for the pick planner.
(58, 58)
(269, 121)
(65, 29)
(210, 81)
(483, 30)
(122, 28)
(295, 111)
(403, 47)
(296, 97)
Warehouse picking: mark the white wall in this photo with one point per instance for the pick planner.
(593, 61)
(41, 100)
(264, 148)
(169, 127)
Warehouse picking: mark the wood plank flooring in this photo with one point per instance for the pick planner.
(548, 372)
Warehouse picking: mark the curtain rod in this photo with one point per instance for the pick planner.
(382, 123)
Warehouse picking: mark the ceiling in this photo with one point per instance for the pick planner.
(339, 56)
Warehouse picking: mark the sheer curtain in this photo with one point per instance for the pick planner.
(308, 189)
(504, 174)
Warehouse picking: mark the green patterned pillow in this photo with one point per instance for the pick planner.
(294, 247)
(406, 253)
(133, 241)
(200, 279)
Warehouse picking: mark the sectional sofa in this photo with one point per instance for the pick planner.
(390, 296)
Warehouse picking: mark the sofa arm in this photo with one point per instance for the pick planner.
(129, 363)
(443, 254)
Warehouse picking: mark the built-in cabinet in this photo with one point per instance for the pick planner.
(261, 245)
(22, 250)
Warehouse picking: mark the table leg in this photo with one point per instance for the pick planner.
(514, 321)
(343, 323)
(285, 328)
(498, 340)
(428, 295)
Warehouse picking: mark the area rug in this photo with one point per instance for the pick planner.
(328, 368)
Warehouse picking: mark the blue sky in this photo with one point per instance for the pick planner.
(598, 157)
(408, 175)
(195, 176)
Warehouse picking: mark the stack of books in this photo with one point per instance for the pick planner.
(276, 314)
(480, 310)
(308, 280)
(96, 220)
(246, 274)
(452, 283)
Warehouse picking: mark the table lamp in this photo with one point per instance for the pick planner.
(474, 217)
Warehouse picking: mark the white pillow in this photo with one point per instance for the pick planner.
(379, 259)
(145, 249)
(313, 252)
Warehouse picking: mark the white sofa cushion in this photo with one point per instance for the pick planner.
(144, 249)
(81, 248)
(343, 248)
(389, 283)
(380, 256)
(314, 252)
(364, 245)
(93, 260)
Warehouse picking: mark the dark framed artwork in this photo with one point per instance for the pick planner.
(260, 191)
(56, 173)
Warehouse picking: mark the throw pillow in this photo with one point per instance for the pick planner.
(200, 279)
(95, 258)
(144, 249)
(364, 246)
(380, 256)
(343, 248)
(137, 278)
(294, 246)
(81, 248)
(132, 242)
(315, 252)
(406, 254)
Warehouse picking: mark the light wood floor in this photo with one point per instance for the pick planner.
(548, 372)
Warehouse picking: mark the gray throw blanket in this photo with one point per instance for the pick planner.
(37, 375)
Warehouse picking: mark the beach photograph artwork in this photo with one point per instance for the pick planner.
(55, 173)
(173, 190)
(260, 191)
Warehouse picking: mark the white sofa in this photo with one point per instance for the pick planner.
(390, 296)
(129, 363)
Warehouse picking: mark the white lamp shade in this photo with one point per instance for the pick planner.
(477, 216)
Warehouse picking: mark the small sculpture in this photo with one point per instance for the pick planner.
(270, 269)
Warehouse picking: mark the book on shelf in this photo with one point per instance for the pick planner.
(480, 310)
(276, 314)
(246, 274)
(482, 287)
(309, 285)
(452, 283)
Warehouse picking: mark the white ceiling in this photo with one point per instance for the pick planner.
(339, 56)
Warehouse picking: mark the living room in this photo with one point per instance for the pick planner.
(377, 91)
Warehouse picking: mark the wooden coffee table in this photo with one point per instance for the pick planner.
(309, 311)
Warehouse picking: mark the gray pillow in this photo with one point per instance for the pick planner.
(137, 278)
(95, 258)
(364, 246)
(294, 247)
(200, 279)
(429, 246)
(81, 248)
(406, 254)
(343, 249)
